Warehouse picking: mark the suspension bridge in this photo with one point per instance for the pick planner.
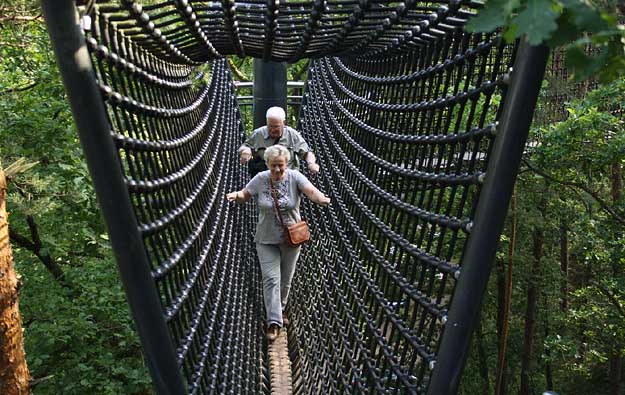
(418, 126)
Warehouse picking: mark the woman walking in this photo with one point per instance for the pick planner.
(277, 257)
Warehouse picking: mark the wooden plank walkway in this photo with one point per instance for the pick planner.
(280, 365)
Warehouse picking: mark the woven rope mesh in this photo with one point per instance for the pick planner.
(401, 109)
(559, 91)
(404, 142)
(177, 130)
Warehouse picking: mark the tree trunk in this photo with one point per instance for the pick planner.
(504, 298)
(548, 369)
(564, 265)
(616, 359)
(14, 375)
(482, 359)
(500, 374)
(530, 314)
(616, 367)
(617, 182)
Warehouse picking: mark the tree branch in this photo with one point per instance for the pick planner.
(19, 88)
(611, 297)
(21, 240)
(35, 246)
(35, 382)
(34, 232)
(298, 74)
(605, 206)
(236, 71)
(21, 18)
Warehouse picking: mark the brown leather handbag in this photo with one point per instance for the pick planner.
(295, 234)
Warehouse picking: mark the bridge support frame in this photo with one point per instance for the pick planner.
(490, 215)
(269, 88)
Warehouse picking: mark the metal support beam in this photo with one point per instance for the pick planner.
(464, 312)
(269, 88)
(94, 131)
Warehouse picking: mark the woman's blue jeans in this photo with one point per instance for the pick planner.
(277, 265)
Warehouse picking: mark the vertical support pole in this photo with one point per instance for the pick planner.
(94, 131)
(464, 312)
(269, 88)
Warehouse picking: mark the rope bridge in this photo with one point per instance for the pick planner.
(418, 126)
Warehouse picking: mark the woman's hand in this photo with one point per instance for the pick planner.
(315, 195)
(323, 199)
(241, 196)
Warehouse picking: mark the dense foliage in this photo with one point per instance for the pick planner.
(567, 257)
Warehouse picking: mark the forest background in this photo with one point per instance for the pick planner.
(555, 305)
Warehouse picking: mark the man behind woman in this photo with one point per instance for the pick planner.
(277, 258)
(276, 132)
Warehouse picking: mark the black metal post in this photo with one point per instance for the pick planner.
(94, 129)
(464, 312)
(269, 88)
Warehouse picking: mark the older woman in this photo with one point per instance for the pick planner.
(277, 258)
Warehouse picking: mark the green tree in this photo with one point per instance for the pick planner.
(567, 307)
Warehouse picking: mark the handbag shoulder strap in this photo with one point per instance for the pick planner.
(275, 201)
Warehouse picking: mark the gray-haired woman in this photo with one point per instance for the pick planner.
(277, 258)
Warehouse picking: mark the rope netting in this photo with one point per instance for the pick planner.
(404, 142)
(402, 108)
(559, 90)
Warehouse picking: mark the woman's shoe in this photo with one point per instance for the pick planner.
(272, 332)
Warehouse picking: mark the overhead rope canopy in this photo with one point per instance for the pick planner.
(418, 126)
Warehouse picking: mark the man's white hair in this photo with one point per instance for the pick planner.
(276, 113)
(275, 151)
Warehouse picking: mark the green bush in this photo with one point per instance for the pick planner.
(82, 335)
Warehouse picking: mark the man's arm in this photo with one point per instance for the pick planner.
(310, 158)
(245, 150)
(301, 146)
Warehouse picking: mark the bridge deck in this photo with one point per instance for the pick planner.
(280, 365)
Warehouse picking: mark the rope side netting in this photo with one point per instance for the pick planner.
(560, 91)
(401, 108)
(177, 130)
(404, 143)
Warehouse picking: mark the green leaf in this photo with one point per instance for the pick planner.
(576, 59)
(583, 66)
(537, 21)
(567, 30)
(511, 33)
(494, 14)
(510, 6)
(587, 18)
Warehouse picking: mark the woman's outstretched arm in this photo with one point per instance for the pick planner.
(315, 195)
(241, 196)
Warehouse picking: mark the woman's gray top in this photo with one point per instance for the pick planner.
(269, 230)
